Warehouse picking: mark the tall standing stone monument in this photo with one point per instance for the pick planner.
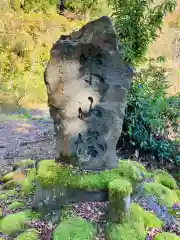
(87, 84)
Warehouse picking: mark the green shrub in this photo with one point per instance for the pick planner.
(14, 223)
(94, 8)
(137, 23)
(164, 195)
(166, 236)
(74, 228)
(150, 112)
(32, 234)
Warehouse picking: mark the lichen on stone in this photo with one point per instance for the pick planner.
(164, 178)
(30, 234)
(166, 236)
(164, 195)
(74, 228)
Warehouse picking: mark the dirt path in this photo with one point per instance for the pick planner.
(24, 137)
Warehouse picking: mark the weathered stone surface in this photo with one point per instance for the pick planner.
(53, 198)
(87, 83)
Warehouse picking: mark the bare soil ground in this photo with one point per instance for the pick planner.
(25, 136)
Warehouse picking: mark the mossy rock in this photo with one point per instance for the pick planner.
(151, 221)
(25, 164)
(10, 185)
(138, 214)
(14, 223)
(74, 228)
(1, 214)
(3, 196)
(15, 205)
(6, 193)
(164, 195)
(138, 166)
(134, 227)
(128, 170)
(164, 178)
(8, 177)
(30, 234)
(27, 185)
(126, 231)
(119, 199)
(166, 236)
(177, 191)
(120, 187)
(50, 174)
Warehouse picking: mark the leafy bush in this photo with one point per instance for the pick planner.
(95, 8)
(137, 23)
(150, 113)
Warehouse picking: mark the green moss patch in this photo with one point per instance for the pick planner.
(134, 228)
(128, 170)
(8, 177)
(164, 195)
(10, 185)
(7, 193)
(138, 166)
(14, 223)
(31, 234)
(27, 185)
(164, 178)
(15, 205)
(121, 187)
(177, 193)
(49, 173)
(74, 228)
(25, 163)
(166, 236)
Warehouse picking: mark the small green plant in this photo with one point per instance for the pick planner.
(74, 228)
